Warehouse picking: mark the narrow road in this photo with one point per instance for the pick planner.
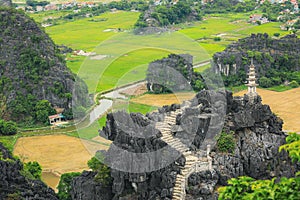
(201, 64)
(107, 101)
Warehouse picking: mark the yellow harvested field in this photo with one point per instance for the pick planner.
(163, 99)
(286, 105)
(57, 153)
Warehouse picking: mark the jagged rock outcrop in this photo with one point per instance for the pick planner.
(88, 188)
(32, 69)
(269, 56)
(173, 74)
(202, 184)
(5, 3)
(13, 185)
(257, 132)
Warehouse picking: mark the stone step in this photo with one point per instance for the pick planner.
(178, 194)
(177, 189)
(187, 153)
(170, 117)
(181, 149)
(173, 119)
(192, 158)
(176, 198)
(164, 128)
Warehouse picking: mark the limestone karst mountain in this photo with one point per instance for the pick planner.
(192, 174)
(277, 59)
(32, 69)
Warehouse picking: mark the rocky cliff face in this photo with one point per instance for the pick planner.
(257, 134)
(269, 56)
(13, 185)
(32, 68)
(5, 3)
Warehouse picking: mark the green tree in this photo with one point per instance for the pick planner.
(34, 168)
(43, 109)
(103, 171)
(64, 186)
(294, 84)
(292, 146)
(265, 82)
(7, 127)
(276, 34)
(245, 188)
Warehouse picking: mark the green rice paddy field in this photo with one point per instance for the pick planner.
(126, 56)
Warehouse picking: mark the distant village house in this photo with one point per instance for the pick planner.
(58, 118)
(258, 18)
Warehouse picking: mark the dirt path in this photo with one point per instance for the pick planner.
(284, 104)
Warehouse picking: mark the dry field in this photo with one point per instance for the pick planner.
(284, 104)
(58, 153)
(163, 99)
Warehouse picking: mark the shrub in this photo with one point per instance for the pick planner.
(248, 188)
(64, 186)
(292, 146)
(265, 82)
(34, 169)
(7, 127)
(43, 109)
(217, 39)
(276, 34)
(294, 84)
(103, 171)
(226, 142)
(14, 196)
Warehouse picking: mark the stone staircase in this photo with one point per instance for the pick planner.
(192, 164)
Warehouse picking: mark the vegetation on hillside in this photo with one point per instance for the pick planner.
(103, 171)
(32, 170)
(168, 14)
(64, 187)
(226, 142)
(35, 82)
(7, 127)
(276, 60)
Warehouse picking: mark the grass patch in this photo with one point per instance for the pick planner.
(9, 141)
(236, 89)
(74, 62)
(129, 68)
(132, 107)
(280, 88)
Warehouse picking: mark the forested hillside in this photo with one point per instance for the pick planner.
(34, 78)
(277, 60)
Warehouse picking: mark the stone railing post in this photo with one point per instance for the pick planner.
(209, 159)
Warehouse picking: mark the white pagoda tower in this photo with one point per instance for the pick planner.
(252, 81)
